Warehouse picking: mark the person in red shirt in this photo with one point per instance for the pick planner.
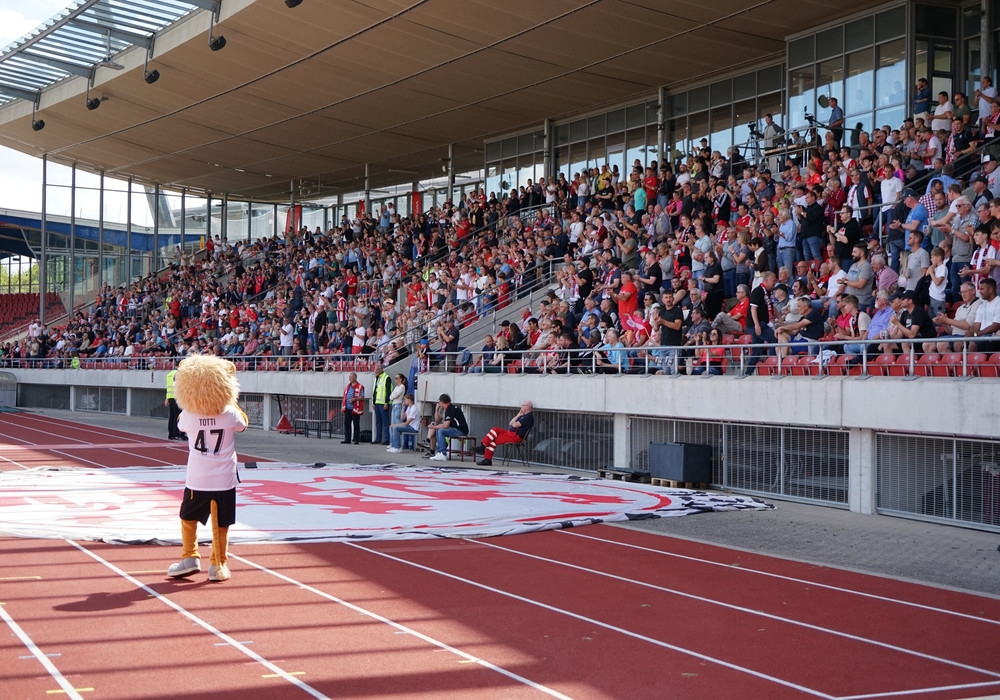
(627, 296)
(651, 184)
(351, 280)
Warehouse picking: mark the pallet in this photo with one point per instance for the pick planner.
(615, 475)
(670, 484)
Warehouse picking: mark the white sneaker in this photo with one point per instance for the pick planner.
(394, 450)
(439, 457)
(185, 567)
(218, 573)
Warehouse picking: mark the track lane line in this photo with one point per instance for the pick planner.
(85, 428)
(742, 609)
(783, 577)
(605, 625)
(897, 693)
(467, 657)
(279, 672)
(58, 677)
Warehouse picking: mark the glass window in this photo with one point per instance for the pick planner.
(830, 43)
(578, 131)
(509, 148)
(616, 121)
(635, 150)
(722, 129)
(892, 23)
(801, 52)
(698, 99)
(830, 83)
(921, 50)
(678, 136)
(745, 113)
(744, 86)
(596, 126)
(493, 151)
(561, 135)
(942, 58)
(932, 20)
(801, 96)
(616, 151)
(770, 79)
(890, 75)
(678, 104)
(597, 152)
(772, 104)
(859, 33)
(526, 144)
(721, 93)
(698, 129)
(635, 116)
(858, 92)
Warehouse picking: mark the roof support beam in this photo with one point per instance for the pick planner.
(19, 93)
(74, 68)
(120, 34)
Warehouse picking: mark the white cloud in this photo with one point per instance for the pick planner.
(20, 174)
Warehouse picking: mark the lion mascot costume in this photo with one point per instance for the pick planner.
(206, 390)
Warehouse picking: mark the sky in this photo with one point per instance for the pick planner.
(20, 174)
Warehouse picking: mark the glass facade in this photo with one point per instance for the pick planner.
(862, 63)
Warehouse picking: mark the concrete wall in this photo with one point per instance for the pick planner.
(926, 405)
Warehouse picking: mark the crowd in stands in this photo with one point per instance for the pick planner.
(856, 236)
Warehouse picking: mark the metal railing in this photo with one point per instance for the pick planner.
(823, 358)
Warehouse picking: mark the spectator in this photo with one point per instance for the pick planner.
(451, 424)
(408, 422)
(520, 425)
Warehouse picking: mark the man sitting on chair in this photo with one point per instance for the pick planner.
(520, 425)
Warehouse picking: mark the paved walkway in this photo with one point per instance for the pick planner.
(908, 549)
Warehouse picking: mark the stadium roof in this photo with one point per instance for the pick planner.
(312, 94)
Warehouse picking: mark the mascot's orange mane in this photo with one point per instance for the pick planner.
(206, 384)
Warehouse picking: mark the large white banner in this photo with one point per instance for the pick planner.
(334, 502)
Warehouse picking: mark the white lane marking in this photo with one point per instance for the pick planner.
(66, 686)
(403, 629)
(61, 423)
(921, 690)
(145, 457)
(759, 572)
(16, 464)
(204, 625)
(78, 459)
(605, 625)
(740, 608)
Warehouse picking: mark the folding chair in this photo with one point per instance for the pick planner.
(518, 450)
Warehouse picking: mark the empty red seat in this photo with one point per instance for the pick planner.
(926, 365)
(880, 367)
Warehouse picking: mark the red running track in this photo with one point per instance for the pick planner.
(595, 612)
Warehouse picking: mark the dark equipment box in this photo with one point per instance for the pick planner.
(680, 461)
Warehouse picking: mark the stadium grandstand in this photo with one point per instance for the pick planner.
(789, 252)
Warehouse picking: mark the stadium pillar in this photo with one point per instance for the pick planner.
(985, 39)
(547, 149)
(661, 128)
(368, 190)
(861, 494)
(450, 196)
(128, 235)
(224, 219)
(156, 229)
(183, 216)
(41, 264)
(71, 272)
(622, 443)
(100, 235)
(208, 216)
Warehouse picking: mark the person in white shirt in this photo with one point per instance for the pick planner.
(409, 424)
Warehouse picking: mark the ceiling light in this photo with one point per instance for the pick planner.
(151, 76)
(216, 42)
(292, 3)
(37, 124)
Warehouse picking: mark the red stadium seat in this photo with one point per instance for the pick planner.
(901, 367)
(977, 363)
(769, 366)
(994, 364)
(926, 365)
(949, 366)
(881, 364)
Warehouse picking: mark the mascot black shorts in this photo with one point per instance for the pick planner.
(197, 505)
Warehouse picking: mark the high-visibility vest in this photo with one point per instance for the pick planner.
(171, 376)
(381, 392)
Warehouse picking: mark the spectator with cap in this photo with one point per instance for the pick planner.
(916, 220)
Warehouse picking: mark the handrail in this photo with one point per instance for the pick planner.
(650, 359)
